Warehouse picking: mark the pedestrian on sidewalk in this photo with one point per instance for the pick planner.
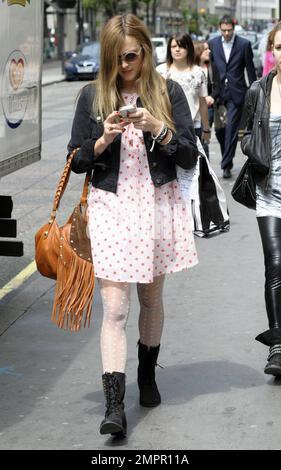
(140, 228)
(231, 54)
(202, 59)
(181, 67)
(264, 101)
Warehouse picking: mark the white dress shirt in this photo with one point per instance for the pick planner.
(227, 47)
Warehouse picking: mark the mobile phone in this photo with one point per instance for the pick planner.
(124, 111)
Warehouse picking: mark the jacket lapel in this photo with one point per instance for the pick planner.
(219, 49)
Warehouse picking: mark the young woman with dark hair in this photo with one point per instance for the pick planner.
(181, 67)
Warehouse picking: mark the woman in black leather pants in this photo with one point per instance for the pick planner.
(266, 130)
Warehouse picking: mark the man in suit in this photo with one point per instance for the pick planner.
(231, 54)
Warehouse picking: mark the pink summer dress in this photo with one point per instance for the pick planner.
(142, 231)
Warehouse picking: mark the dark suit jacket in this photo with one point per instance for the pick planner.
(241, 57)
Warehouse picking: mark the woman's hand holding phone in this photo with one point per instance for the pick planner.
(114, 124)
(143, 119)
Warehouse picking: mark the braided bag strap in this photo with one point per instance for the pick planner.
(83, 199)
(62, 183)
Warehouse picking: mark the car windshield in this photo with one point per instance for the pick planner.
(92, 50)
(158, 43)
(252, 37)
(214, 34)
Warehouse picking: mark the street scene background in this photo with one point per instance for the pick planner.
(214, 392)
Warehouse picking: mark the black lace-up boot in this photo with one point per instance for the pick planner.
(115, 422)
(149, 393)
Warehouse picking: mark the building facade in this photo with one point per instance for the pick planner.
(222, 7)
(168, 18)
(256, 11)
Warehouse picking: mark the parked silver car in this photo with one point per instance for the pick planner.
(160, 48)
(257, 59)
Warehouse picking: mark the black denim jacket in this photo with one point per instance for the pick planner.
(181, 150)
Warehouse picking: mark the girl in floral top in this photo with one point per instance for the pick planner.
(180, 66)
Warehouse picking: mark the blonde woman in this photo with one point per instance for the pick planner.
(202, 59)
(269, 59)
(139, 225)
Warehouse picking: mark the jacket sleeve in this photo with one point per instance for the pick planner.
(182, 148)
(249, 114)
(84, 134)
(250, 63)
(216, 83)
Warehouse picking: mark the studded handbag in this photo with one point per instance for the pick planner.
(244, 188)
(63, 253)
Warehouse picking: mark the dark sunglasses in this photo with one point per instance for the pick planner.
(129, 57)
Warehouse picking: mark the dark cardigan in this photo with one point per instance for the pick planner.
(86, 129)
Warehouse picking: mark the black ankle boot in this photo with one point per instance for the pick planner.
(273, 366)
(272, 338)
(149, 393)
(115, 422)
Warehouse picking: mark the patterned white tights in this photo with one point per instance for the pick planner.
(151, 317)
(116, 307)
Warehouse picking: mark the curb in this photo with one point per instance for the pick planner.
(52, 82)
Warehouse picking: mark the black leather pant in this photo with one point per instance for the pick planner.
(270, 230)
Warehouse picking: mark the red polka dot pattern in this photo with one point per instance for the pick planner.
(141, 231)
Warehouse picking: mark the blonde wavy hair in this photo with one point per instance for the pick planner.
(151, 87)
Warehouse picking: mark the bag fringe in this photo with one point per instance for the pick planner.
(74, 293)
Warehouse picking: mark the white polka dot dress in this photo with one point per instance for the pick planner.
(141, 231)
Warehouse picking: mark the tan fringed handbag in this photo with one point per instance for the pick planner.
(64, 253)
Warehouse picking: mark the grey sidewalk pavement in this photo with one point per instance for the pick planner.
(214, 392)
(52, 72)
